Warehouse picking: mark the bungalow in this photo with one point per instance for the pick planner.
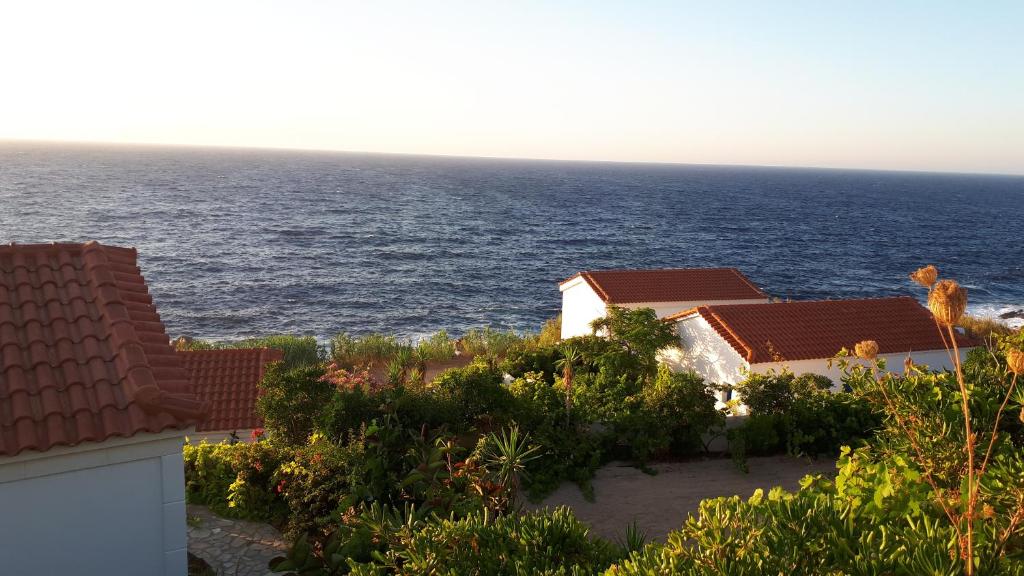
(228, 381)
(94, 408)
(587, 295)
(724, 342)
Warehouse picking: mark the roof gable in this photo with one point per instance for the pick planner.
(83, 353)
(228, 380)
(804, 330)
(670, 285)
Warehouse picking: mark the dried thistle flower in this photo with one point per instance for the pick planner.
(866, 350)
(908, 365)
(1015, 361)
(925, 276)
(947, 301)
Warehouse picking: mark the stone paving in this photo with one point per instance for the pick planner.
(233, 547)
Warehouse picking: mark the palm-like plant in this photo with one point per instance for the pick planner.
(567, 363)
(506, 456)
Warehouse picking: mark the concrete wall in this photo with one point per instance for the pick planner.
(115, 507)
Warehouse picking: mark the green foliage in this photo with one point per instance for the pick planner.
(382, 541)
(638, 331)
(675, 411)
(490, 343)
(294, 403)
(437, 347)
(350, 352)
(775, 393)
(875, 518)
(321, 480)
(235, 480)
(474, 392)
(798, 415)
(299, 351)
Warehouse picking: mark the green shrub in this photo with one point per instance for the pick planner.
(875, 518)
(684, 408)
(638, 331)
(295, 403)
(320, 481)
(299, 351)
(235, 480)
(775, 393)
(351, 352)
(382, 541)
(474, 392)
(437, 347)
(490, 343)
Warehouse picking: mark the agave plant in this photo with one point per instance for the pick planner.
(505, 455)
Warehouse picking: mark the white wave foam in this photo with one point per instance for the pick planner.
(994, 311)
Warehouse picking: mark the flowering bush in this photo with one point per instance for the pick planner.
(235, 480)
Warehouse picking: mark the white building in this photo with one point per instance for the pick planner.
(722, 343)
(94, 408)
(587, 295)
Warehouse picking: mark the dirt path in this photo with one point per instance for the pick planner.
(660, 503)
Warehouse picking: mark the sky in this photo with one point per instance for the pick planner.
(890, 85)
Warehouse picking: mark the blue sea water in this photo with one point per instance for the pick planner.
(237, 243)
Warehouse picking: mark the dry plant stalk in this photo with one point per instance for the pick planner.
(947, 301)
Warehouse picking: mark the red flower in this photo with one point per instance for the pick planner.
(257, 433)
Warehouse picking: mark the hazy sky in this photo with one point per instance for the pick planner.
(910, 85)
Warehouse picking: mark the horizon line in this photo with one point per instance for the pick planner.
(509, 158)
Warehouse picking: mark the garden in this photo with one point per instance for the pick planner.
(370, 466)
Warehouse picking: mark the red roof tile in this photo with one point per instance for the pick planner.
(789, 331)
(670, 285)
(83, 354)
(228, 380)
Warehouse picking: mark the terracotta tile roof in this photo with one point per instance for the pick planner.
(83, 354)
(670, 285)
(228, 380)
(789, 331)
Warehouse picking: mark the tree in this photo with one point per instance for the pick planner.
(640, 332)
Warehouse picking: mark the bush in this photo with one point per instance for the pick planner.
(775, 393)
(490, 343)
(321, 480)
(437, 347)
(382, 541)
(638, 331)
(811, 426)
(875, 518)
(299, 351)
(235, 480)
(373, 349)
(295, 403)
(684, 408)
(474, 392)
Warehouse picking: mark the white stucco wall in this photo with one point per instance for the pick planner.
(581, 306)
(703, 351)
(115, 507)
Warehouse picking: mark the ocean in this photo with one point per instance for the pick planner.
(241, 242)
